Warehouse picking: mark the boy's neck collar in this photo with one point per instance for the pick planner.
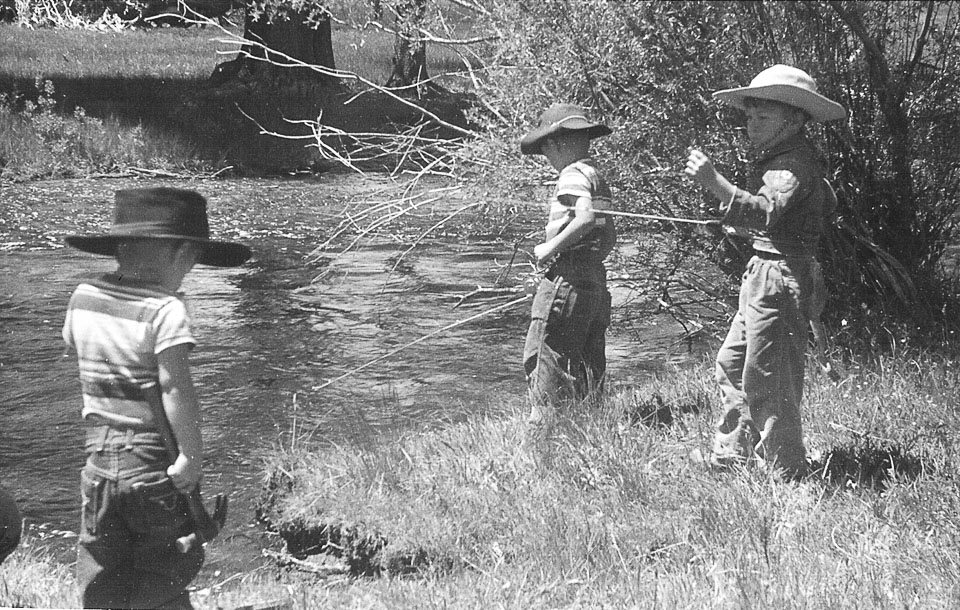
(790, 142)
(134, 281)
(585, 159)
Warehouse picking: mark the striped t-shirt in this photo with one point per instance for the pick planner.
(580, 179)
(117, 328)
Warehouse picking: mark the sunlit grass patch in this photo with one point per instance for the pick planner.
(33, 578)
(665, 397)
(65, 53)
(888, 420)
(616, 513)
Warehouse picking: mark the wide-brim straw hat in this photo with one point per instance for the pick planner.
(560, 118)
(788, 85)
(163, 213)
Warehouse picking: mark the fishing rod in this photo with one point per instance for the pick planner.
(424, 338)
(657, 217)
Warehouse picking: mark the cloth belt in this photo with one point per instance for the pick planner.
(97, 436)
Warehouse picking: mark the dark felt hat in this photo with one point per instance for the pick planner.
(561, 118)
(163, 213)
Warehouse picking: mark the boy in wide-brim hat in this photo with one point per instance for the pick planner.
(784, 209)
(564, 353)
(131, 332)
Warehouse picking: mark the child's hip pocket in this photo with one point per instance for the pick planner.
(154, 503)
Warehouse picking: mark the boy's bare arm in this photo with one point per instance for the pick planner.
(583, 221)
(183, 410)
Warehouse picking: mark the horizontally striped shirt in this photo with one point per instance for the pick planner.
(580, 179)
(117, 328)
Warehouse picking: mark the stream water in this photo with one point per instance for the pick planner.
(274, 331)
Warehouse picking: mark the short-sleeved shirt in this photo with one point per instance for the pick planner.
(581, 179)
(788, 202)
(117, 328)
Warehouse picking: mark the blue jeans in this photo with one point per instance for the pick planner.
(130, 521)
(760, 366)
(564, 355)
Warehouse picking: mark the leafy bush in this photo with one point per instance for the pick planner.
(38, 140)
(648, 68)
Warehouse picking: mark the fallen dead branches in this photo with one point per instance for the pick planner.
(326, 568)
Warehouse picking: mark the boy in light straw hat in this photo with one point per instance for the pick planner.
(564, 352)
(130, 329)
(784, 209)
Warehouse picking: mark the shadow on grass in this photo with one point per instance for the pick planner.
(223, 124)
(365, 552)
(661, 407)
(865, 464)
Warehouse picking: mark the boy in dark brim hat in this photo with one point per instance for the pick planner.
(564, 353)
(130, 329)
(785, 208)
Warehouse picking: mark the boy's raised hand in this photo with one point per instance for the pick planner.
(700, 168)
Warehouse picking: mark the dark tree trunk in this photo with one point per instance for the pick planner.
(409, 49)
(290, 40)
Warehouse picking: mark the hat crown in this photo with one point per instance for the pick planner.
(558, 113)
(784, 76)
(161, 212)
(787, 85)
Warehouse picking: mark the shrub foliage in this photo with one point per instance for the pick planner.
(648, 68)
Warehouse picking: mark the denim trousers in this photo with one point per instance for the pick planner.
(131, 518)
(760, 366)
(564, 355)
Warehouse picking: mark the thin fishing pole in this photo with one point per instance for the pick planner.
(655, 217)
(423, 338)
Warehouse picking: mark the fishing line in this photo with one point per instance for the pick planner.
(423, 338)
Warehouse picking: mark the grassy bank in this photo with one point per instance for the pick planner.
(615, 514)
(618, 515)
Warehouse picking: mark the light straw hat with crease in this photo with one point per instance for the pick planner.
(787, 85)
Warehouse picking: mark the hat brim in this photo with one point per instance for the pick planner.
(817, 106)
(215, 253)
(530, 144)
